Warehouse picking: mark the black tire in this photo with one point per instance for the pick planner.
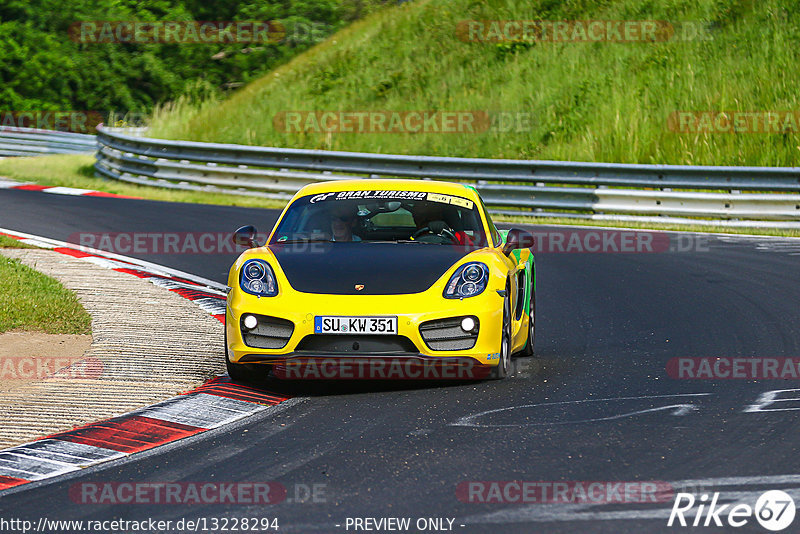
(529, 349)
(503, 367)
(243, 372)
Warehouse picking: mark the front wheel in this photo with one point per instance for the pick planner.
(528, 349)
(503, 366)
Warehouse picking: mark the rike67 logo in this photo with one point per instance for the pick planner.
(774, 510)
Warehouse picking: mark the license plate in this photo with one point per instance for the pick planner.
(355, 325)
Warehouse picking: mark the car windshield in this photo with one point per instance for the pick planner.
(381, 216)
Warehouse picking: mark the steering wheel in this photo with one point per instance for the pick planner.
(438, 228)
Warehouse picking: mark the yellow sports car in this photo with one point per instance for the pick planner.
(383, 279)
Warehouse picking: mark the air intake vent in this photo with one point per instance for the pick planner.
(447, 334)
(269, 333)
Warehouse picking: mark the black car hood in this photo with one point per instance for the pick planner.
(381, 268)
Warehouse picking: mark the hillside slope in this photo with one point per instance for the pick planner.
(592, 101)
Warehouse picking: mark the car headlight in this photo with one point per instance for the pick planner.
(257, 278)
(469, 280)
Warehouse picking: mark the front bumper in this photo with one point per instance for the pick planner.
(410, 310)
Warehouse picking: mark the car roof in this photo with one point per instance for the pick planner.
(424, 186)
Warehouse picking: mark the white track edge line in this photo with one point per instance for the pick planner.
(134, 261)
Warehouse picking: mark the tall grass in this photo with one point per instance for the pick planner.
(600, 101)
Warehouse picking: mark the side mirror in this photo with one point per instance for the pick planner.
(246, 236)
(518, 239)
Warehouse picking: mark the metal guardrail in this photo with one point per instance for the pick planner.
(33, 142)
(599, 191)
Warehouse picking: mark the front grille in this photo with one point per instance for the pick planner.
(446, 334)
(271, 332)
(355, 344)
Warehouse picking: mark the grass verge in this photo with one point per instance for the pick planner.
(9, 242)
(31, 301)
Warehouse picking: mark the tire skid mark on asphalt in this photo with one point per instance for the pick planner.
(473, 420)
(217, 402)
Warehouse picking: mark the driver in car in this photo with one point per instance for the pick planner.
(343, 221)
(425, 213)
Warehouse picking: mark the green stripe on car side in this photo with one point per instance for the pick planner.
(530, 276)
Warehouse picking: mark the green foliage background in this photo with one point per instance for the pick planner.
(41, 68)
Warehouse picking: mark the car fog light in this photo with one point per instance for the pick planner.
(250, 322)
(467, 324)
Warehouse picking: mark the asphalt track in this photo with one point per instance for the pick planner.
(596, 405)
